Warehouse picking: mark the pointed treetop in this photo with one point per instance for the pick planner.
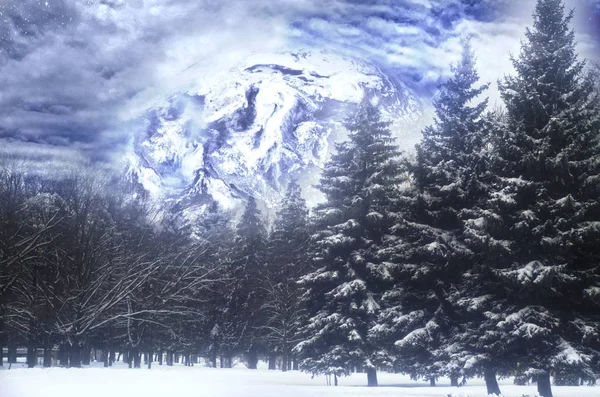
(366, 122)
(251, 223)
(458, 118)
(293, 208)
(548, 82)
(549, 17)
(458, 91)
(547, 63)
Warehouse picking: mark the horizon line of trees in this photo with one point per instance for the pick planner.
(88, 264)
(477, 256)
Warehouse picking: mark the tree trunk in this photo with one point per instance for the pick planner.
(160, 357)
(213, 358)
(176, 358)
(137, 358)
(150, 357)
(543, 385)
(491, 382)
(12, 354)
(454, 380)
(335, 380)
(63, 356)
(295, 364)
(75, 356)
(86, 354)
(371, 376)
(105, 359)
(1, 344)
(47, 355)
(54, 355)
(169, 358)
(31, 354)
(272, 361)
(111, 357)
(432, 381)
(284, 362)
(252, 358)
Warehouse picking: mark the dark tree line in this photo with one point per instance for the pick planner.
(477, 256)
(83, 267)
(88, 264)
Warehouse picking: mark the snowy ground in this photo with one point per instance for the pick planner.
(199, 381)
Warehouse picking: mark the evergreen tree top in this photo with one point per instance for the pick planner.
(367, 160)
(251, 224)
(294, 210)
(367, 114)
(457, 119)
(548, 70)
(459, 90)
(549, 19)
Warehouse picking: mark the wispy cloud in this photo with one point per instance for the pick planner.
(76, 74)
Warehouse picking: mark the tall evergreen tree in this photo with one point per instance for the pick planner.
(540, 230)
(245, 300)
(216, 233)
(429, 258)
(288, 261)
(478, 346)
(342, 294)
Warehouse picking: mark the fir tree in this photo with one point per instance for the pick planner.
(421, 314)
(245, 300)
(352, 226)
(540, 230)
(479, 346)
(287, 262)
(215, 235)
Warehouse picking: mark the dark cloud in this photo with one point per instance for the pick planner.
(76, 74)
(68, 67)
(25, 24)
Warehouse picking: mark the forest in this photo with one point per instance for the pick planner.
(475, 256)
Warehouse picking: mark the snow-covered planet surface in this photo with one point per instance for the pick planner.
(200, 381)
(248, 131)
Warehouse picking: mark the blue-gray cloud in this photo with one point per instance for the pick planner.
(72, 73)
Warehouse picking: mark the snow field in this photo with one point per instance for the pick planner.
(200, 381)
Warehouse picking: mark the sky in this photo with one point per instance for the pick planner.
(74, 74)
